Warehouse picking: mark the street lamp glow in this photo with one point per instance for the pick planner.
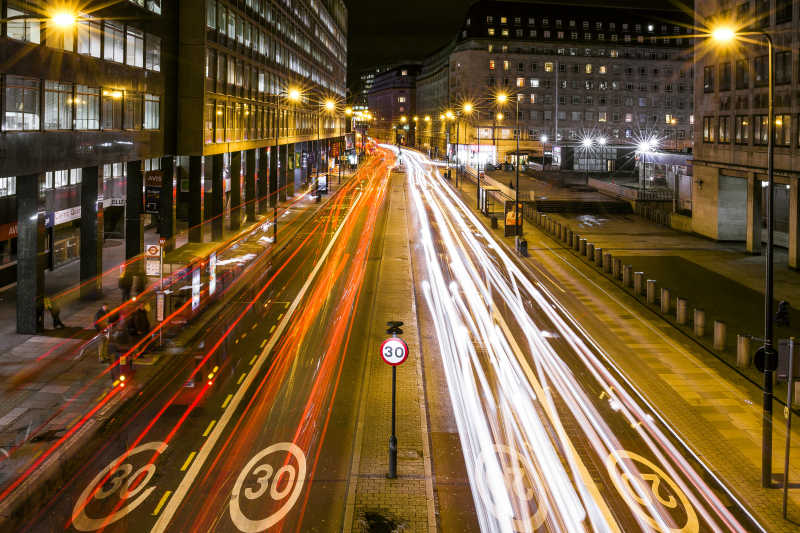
(63, 19)
(601, 141)
(723, 34)
(543, 138)
(427, 118)
(441, 117)
(294, 94)
(348, 111)
(416, 118)
(403, 119)
(449, 114)
(467, 108)
(502, 98)
(330, 105)
(587, 142)
(499, 116)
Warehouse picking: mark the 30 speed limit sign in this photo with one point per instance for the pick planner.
(394, 351)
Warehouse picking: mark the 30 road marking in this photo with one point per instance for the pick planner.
(208, 429)
(241, 378)
(272, 329)
(186, 483)
(227, 401)
(161, 503)
(188, 461)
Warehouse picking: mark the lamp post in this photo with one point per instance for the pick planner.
(724, 35)
(587, 143)
(602, 142)
(543, 141)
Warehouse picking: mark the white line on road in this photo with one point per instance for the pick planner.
(186, 483)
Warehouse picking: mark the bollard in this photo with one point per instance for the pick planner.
(665, 301)
(538, 219)
(743, 354)
(616, 268)
(576, 242)
(568, 238)
(651, 291)
(720, 332)
(699, 322)
(598, 257)
(681, 310)
(638, 283)
(607, 260)
(589, 252)
(626, 275)
(564, 232)
(494, 222)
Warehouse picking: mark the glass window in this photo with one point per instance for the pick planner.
(60, 37)
(114, 42)
(725, 77)
(87, 108)
(783, 130)
(211, 13)
(23, 29)
(57, 105)
(153, 53)
(708, 79)
(152, 112)
(89, 38)
(111, 109)
(742, 133)
(8, 186)
(222, 20)
(760, 129)
(742, 74)
(708, 129)
(760, 67)
(783, 66)
(154, 6)
(135, 47)
(724, 130)
(132, 120)
(21, 111)
(219, 122)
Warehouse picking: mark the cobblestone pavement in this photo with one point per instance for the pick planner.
(406, 503)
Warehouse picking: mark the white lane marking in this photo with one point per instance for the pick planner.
(183, 489)
(277, 487)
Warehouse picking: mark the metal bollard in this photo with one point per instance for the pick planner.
(743, 354)
(626, 275)
(616, 268)
(665, 300)
(598, 257)
(576, 242)
(699, 322)
(568, 240)
(589, 252)
(720, 332)
(681, 310)
(651, 291)
(607, 260)
(638, 283)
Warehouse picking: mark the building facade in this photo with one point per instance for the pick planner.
(101, 110)
(392, 101)
(731, 103)
(620, 74)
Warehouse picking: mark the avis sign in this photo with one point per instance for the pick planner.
(394, 351)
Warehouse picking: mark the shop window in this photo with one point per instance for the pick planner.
(87, 108)
(21, 104)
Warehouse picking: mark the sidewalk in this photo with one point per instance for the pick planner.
(48, 394)
(712, 407)
(375, 503)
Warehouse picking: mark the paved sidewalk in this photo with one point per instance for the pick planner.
(712, 407)
(375, 503)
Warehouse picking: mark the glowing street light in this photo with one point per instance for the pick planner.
(427, 118)
(403, 119)
(502, 98)
(467, 108)
(723, 34)
(348, 111)
(330, 105)
(63, 19)
(499, 116)
(449, 115)
(294, 94)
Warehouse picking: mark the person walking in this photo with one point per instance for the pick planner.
(100, 325)
(55, 311)
(125, 285)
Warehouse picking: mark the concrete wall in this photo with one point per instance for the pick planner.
(731, 209)
(705, 189)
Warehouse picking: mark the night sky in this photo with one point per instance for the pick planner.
(384, 31)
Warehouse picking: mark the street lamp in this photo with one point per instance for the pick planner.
(724, 35)
(644, 147)
(587, 143)
(602, 142)
(543, 141)
(502, 98)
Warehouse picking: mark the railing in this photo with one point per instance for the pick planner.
(630, 194)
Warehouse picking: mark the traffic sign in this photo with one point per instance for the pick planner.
(394, 351)
(766, 359)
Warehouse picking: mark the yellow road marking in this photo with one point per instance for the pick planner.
(262, 344)
(188, 461)
(280, 316)
(227, 401)
(236, 341)
(161, 502)
(254, 326)
(241, 378)
(208, 429)
(286, 306)
(272, 329)
(244, 335)
(253, 360)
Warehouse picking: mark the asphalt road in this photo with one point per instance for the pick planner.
(251, 428)
(553, 437)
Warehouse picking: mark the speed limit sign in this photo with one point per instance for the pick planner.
(394, 351)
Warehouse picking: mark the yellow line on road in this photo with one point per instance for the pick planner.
(253, 360)
(236, 341)
(208, 429)
(262, 345)
(272, 329)
(227, 401)
(244, 335)
(280, 316)
(161, 502)
(241, 378)
(188, 461)
(254, 326)
(286, 306)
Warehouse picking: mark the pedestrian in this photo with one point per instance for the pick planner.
(55, 311)
(141, 320)
(125, 285)
(100, 320)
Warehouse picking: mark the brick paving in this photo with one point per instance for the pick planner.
(406, 502)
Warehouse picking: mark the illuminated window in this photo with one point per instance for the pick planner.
(505, 32)
(506, 65)
(548, 67)
(491, 64)
(503, 20)
(588, 68)
(520, 82)
(491, 31)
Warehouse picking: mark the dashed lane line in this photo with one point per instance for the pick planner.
(161, 503)
(241, 378)
(208, 429)
(188, 461)
(227, 401)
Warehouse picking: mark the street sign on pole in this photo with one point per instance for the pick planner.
(394, 351)
(152, 260)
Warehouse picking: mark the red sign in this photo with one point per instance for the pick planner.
(8, 231)
(394, 351)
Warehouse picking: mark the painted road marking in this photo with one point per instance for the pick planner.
(253, 360)
(188, 461)
(161, 503)
(241, 378)
(272, 329)
(287, 481)
(227, 401)
(121, 476)
(254, 325)
(286, 306)
(263, 343)
(188, 480)
(280, 316)
(208, 429)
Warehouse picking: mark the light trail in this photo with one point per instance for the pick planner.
(523, 407)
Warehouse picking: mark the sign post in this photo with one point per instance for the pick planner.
(394, 352)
